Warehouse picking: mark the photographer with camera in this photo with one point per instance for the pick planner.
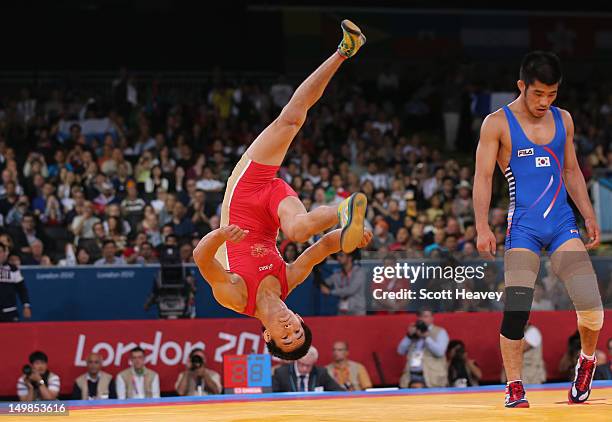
(37, 382)
(425, 349)
(462, 371)
(197, 379)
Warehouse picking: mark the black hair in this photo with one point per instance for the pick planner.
(38, 355)
(196, 350)
(108, 241)
(541, 66)
(137, 349)
(295, 354)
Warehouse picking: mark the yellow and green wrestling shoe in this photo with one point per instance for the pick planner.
(352, 40)
(351, 213)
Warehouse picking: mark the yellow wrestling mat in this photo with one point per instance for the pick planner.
(546, 405)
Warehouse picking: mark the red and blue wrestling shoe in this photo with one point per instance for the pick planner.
(581, 386)
(515, 394)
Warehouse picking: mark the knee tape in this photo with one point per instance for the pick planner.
(593, 320)
(574, 268)
(517, 306)
(521, 268)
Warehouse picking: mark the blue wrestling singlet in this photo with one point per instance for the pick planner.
(539, 215)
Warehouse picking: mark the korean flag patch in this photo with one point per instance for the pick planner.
(542, 161)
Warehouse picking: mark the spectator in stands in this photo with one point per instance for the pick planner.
(37, 382)
(383, 238)
(109, 254)
(462, 371)
(156, 181)
(289, 252)
(435, 210)
(604, 366)
(9, 199)
(27, 234)
(12, 284)
(137, 381)
(352, 375)
(439, 241)
(540, 301)
(15, 214)
(107, 196)
(208, 182)
(36, 255)
(304, 375)
(95, 384)
(113, 229)
(348, 285)
(186, 252)
(394, 217)
(132, 206)
(181, 224)
(80, 257)
(82, 225)
(433, 184)
(146, 254)
(568, 361)
(197, 379)
(462, 206)
(425, 347)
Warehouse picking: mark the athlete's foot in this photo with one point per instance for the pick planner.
(515, 395)
(351, 213)
(352, 39)
(581, 386)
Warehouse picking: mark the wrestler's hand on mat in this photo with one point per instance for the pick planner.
(593, 231)
(233, 233)
(367, 236)
(486, 243)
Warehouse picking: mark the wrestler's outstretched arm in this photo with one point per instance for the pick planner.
(329, 244)
(204, 253)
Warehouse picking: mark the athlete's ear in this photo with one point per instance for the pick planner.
(266, 336)
(521, 85)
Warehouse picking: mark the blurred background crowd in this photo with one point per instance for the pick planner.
(88, 176)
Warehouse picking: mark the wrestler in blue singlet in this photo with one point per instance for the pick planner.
(539, 215)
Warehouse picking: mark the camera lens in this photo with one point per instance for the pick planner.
(196, 361)
(27, 370)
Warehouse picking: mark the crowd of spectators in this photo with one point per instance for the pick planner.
(106, 177)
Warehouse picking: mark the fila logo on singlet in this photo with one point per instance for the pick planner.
(542, 161)
(525, 152)
(266, 267)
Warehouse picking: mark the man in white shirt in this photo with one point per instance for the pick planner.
(137, 382)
